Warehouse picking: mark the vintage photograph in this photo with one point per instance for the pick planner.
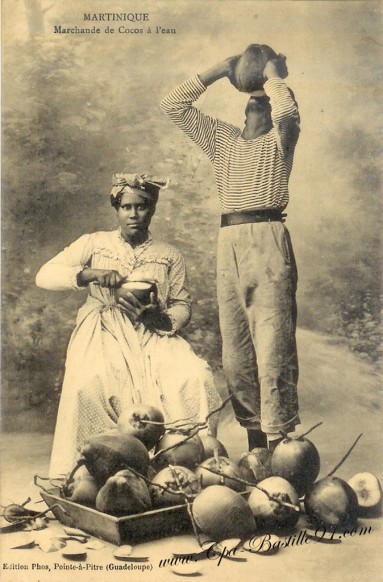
(191, 290)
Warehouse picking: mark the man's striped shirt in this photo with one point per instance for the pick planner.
(250, 174)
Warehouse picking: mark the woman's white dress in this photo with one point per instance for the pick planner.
(112, 364)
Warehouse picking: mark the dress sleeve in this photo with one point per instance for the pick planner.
(178, 106)
(60, 273)
(178, 305)
(284, 114)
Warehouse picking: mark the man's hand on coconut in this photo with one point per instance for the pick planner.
(276, 68)
(222, 69)
(230, 64)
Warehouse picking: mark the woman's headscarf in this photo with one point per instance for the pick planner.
(148, 186)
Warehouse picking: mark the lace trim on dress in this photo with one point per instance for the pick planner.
(151, 259)
(137, 252)
(129, 257)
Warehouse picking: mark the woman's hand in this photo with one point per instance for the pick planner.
(150, 315)
(102, 277)
(135, 309)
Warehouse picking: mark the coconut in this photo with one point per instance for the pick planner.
(210, 445)
(331, 502)
(222, 513)
(83, 491)
(248, 70)
(270, 514)
(105, 454)
(136, 421)
(226, 467)
(124, 494)
(296, 460)
(175, 479)
(184, 451)
(256, 464)
(369, 493)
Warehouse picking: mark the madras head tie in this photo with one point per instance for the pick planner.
(125, 182)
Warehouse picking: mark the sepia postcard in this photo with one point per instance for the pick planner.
(135, 149)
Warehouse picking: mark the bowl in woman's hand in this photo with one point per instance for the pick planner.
(140, 289)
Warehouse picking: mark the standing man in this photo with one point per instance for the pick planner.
(256, 271)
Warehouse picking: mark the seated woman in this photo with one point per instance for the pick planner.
(121, 351)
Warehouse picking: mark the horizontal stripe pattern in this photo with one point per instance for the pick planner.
(250, 174)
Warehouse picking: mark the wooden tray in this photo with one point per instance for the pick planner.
(141, 527)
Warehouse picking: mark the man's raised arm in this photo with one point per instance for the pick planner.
(284, 108)
(178, 106)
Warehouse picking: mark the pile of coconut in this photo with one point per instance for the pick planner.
(147, 464)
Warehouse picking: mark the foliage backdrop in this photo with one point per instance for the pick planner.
(78, 108)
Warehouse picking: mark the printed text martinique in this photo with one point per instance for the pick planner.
(117, 16)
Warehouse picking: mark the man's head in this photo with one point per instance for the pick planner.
(258, 112)
(257, 105)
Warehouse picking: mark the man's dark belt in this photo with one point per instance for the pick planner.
(246, 216)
